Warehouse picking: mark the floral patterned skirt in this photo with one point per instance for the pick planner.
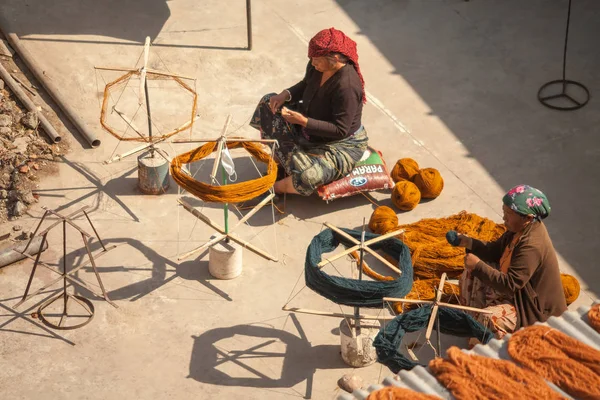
(474, 293)
(309, 164)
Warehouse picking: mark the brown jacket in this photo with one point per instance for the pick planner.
(533, 276)
(334, 110)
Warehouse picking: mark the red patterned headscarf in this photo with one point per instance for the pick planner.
(330, 41)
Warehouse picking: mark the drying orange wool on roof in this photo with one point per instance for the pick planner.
(570, 364)
(472, 377)
(397, 393)
(594, 317)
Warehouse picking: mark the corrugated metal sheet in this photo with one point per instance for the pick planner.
(572, 323)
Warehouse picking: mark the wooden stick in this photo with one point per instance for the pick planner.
(229, 139)
(143, 70)
(364, 247)
(252, 248)
(152, 71)
(383, 260)
(213, 174)
(129, 122)
(448, 305)
(200, 216)
(337, 315)
(434, 310)
(206, 245)
(341, 232)
(254, 210)
(384, 237)
(187, 124)
(119, 157)
(338, 256)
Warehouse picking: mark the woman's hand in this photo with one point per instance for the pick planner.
(275, 102)
(293, 117)
(465, 241)
(471, 261)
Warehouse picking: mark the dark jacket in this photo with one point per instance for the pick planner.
(533, 276)
(334, 110)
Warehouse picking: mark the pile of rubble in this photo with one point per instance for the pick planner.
(25, 154)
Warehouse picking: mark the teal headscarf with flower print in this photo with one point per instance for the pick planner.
(527, 200)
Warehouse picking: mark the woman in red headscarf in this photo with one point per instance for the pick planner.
(318, 120)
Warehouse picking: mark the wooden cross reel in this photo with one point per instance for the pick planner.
(436, 304)
(225, 233)
(362, 246)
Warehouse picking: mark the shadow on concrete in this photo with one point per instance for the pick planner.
(161, 269)
(313, 206)
(255, 360)
(478, 66)
(125, 184)
(129, 20)
(25, 314)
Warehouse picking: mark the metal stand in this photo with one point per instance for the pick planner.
(66, 276)
(561, 85)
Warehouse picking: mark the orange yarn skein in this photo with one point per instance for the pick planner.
(406, 195)
(570, 287)
(233, 193)
(405, 169)
(383, 220)
(430, 182)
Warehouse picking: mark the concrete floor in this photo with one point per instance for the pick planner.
(450, 83)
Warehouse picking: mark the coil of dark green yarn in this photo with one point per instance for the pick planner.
(354, 292)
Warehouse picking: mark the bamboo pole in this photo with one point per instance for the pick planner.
(252, 248)
(151, 71)
(254, 210)
(364, 246)
(129, 122)
(201, 216)
(337, 315)
(206, 245)
(448, 305)
(384, 237)
(337, 256)
(383, 260)
(229, 139)
(220, 229)
(435, 308)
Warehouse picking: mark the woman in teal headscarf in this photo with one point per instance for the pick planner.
(517, 276)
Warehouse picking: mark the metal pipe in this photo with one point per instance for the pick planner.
(249, 22)
(50, 86)
(26, 101)
(65, 266)
(15, 253)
